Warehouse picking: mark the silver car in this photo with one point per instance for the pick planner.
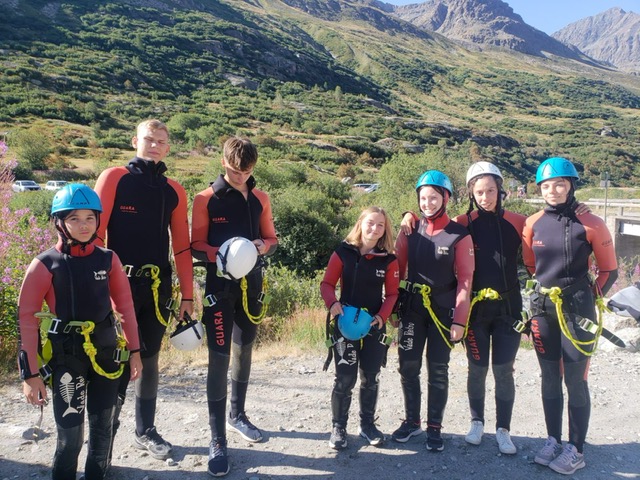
(25, 186)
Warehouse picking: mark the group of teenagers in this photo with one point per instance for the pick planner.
(443, 281)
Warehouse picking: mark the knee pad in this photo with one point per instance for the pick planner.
(503, 375)
(241, 362)
(551, 379)
(577, 386)
(344, 384)
(410, 368)
(147, 385)
(369, 381)
(438, 375)
(476, 381)
(217, 376)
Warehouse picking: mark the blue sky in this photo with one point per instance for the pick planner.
(551, 15)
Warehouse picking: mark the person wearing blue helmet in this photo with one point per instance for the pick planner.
(367, 271)
(558, 247)
(436, 261)
(78, 347)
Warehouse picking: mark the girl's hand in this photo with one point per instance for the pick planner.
(35, 391)
(336, 309)
(135, 365)
(581, 209)
(407, 224)
(457, 331)
(260, 246)
(377, 323)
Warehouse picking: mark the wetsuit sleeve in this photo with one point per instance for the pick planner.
(462, 219)
(35, 287)
(465, 265)
(391, 282)
(122, 302)
(267, 228)
(180, 242)
(516, 220)
(331, 277)
(527, 243)
(106, 186)
(401, 251)
(200, 247)
(599, 237)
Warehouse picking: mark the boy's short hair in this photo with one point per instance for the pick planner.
(240, 153)
(152, 124)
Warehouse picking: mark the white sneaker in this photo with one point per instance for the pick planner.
(505, 445)
(474, 437)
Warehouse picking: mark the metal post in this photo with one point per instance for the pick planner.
(606, 194)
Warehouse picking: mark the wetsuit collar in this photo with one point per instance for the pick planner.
(375, 252)
(562, 208)
(140, 166)
(74, 250)
(436, 223)
(221, 187)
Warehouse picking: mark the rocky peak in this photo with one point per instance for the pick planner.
(612, 36)
(483, 23)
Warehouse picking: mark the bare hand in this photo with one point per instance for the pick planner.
(35, 391)
(408, 223)
(581, 209)
(260, 245)
(186, 306)
(336, 309)
(135, 365)
(457, 331)
(377, 322)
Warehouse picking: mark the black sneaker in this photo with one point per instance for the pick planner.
(338, 439)
(151, 441)
(218, 465)
(371, 433)
(407, 430)
(434, 440)
(244, 427)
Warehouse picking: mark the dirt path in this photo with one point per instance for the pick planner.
(289, 400)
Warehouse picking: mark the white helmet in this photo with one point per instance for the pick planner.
(236, 258)
(188, 335)
(482, 168)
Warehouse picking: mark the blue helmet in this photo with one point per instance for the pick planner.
(354, 323)
(555, 167)
(74, 196)
(434, 178)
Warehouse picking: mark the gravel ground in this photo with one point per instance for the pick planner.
(289, 400)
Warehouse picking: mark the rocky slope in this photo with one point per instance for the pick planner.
(612, 36)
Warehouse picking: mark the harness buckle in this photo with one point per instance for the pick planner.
(121, 355)
(53, 326)
(588, 325)
(264, 298)
(385, 339)
(128, 269)
(45, 372)
(172, 303)
(209, 300)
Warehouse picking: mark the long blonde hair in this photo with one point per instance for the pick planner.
(385, 242)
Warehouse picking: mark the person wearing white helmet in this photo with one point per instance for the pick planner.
(232, 224)
(367, 271)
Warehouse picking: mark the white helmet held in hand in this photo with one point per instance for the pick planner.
(482, 168)
(188, 335)
(236, 258)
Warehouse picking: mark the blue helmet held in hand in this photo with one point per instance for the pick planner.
(434, 178)
(354, 323)
(555, 167)
(75, 196)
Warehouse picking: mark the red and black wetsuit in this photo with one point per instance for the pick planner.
(219, 213)
(140, 207)
(497, 240)
(367, 281)
(78, 285)
(557, 246)
(438, 253)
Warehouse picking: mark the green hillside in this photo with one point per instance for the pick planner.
(341, 74)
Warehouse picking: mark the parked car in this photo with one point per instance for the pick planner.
(55, 185)
(25, 186)
(367, 187)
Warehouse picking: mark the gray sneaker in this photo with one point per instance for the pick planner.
(568, 461)
(244, 427)
(548, 452)
(151, 441)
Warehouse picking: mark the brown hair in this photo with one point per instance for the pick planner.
(240, 153)
(385, 242)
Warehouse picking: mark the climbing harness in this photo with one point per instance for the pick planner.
(484, 294)
(49, 324)
(154, 274)
(263, 299)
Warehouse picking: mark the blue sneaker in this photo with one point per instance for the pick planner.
(218, 462)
